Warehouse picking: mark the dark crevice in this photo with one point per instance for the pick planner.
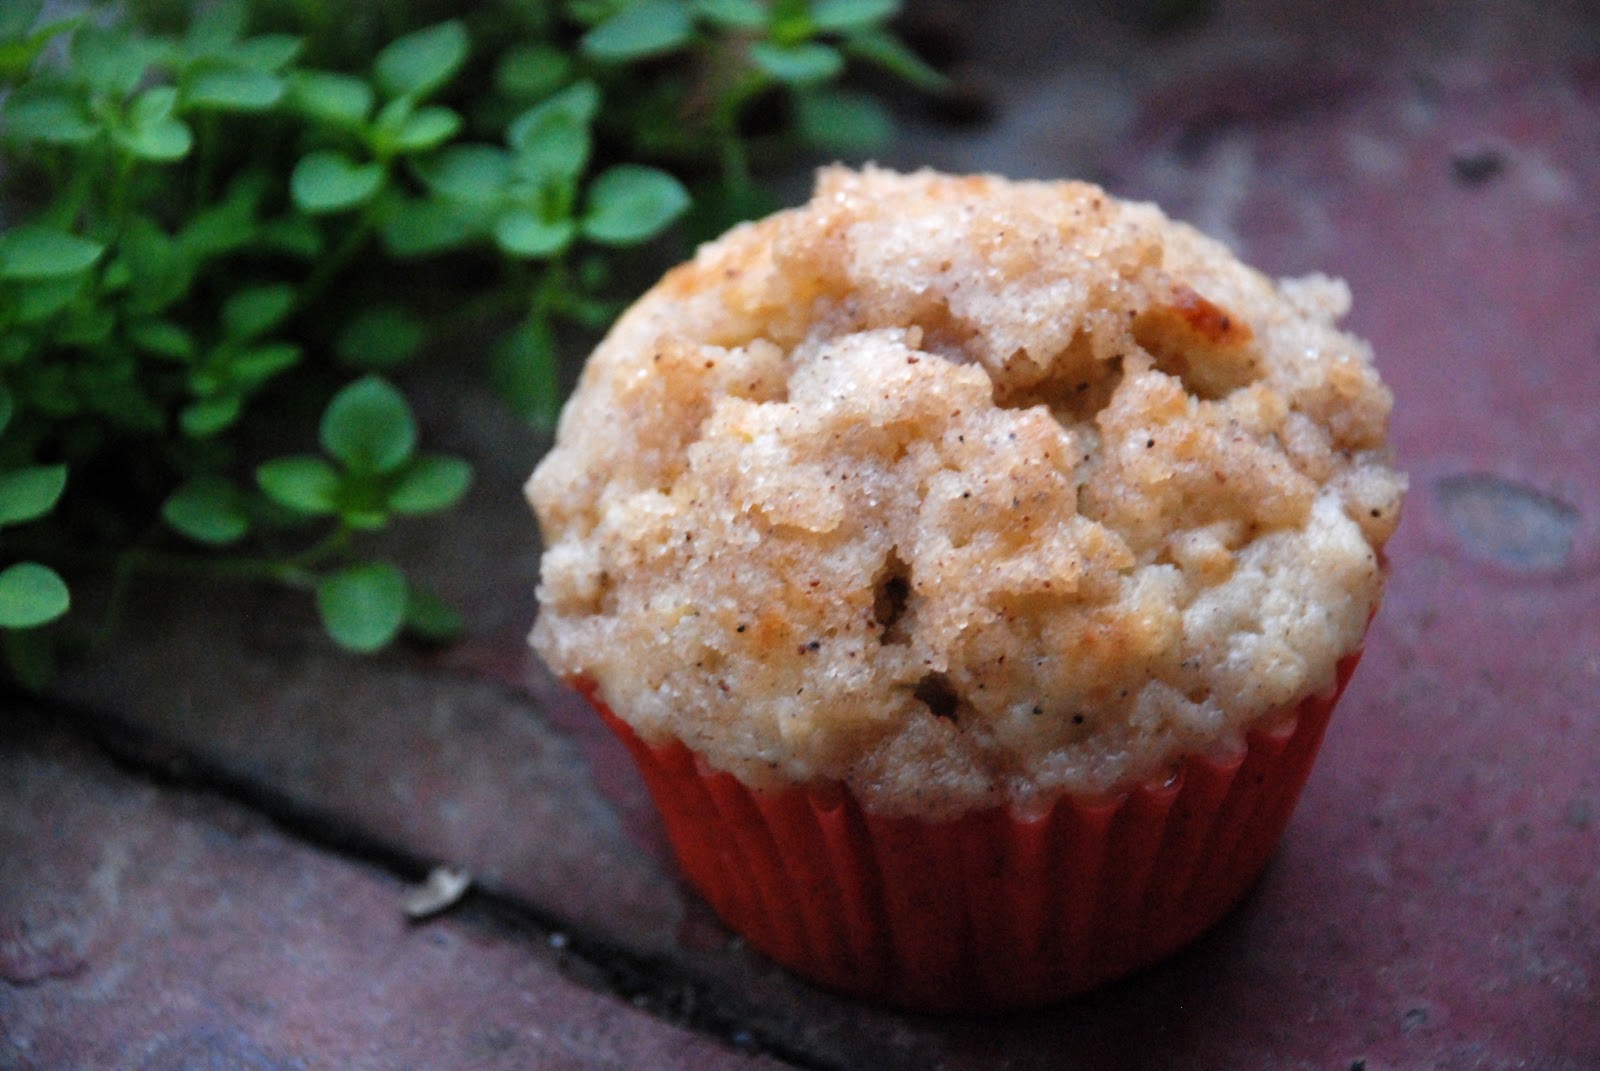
(1077, 387)
(652, 985)
(891, 591)
(935, 692)
(1074, 385)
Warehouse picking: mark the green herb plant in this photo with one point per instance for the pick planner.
(224, 224)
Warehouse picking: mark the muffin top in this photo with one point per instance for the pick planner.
(964, 492)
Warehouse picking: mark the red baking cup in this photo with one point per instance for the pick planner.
(987, 911)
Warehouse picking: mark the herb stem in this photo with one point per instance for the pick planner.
(335, 543)
(206, 168)
(332, 266)
(144, 560)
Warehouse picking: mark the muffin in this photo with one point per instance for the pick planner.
(971, 567)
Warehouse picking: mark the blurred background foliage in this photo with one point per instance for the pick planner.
(225, 226)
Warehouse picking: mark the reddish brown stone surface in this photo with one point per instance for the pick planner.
(149, 928)
(1436, 902)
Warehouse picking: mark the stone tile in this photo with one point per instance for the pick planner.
(148, 928)
(462, 770)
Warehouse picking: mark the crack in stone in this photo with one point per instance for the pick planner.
(655, 986)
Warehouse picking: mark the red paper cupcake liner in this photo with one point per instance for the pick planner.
(987, 911)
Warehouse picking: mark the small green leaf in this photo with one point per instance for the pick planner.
(153, 132)
(431, 618)
(40, 299)
(163, 338)
(232, 89)
(801, 64)
(291, 233)
(253, 367)
(368, 426)
(363, 606)
(270, 52)
(594, 313)
(851, 14)
(28, 494)
(213, 27)
(85, 325)
(224, 227)
(160, 268)
(18, 54)
(162, 141)
(361, 513)
(421, 62)
(888, 52)
(118, 276)
(553, 155)
(154, 106)
(53, 117)
(210, 377)
(340, 99)
(521, 233)
(416, 228)
(523, 370)
(110, 60)
(732, 14)
(387, 123)
(16, 60)
(552, 139)
(329, 181)
(304, 483)
(427, 128)
(208, 510)
(649, 28)
(579, 102)
(379, 337)
(31, 595)
(629, 204)
(470, 173)
(34, 251)
(843, 122)
(255, 310)
(429, 484)
(529, 72)
(207, 417)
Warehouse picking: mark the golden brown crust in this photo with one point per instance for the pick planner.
(964, 492)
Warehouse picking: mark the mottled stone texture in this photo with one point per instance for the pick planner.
(1437, 900)
(153, 929)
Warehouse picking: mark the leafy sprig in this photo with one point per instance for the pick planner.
(211, 218)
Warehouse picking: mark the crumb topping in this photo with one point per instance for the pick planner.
(964, 492)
